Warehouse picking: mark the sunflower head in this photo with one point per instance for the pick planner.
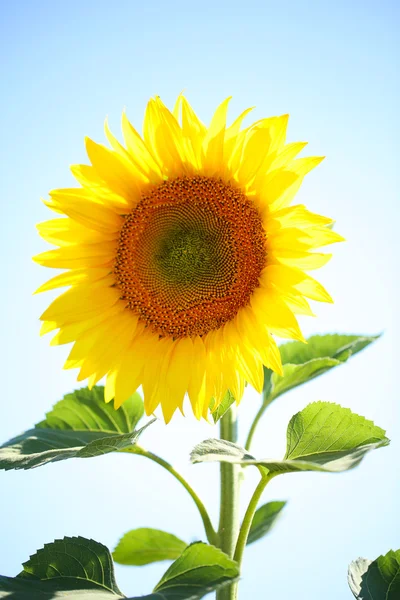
(184, 257)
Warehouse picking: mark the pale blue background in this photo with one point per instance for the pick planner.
(332, 66)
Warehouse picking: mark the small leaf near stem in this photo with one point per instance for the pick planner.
(208, 527)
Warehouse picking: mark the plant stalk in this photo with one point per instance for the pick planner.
(210, 532)
(248, 518)
(229, 508)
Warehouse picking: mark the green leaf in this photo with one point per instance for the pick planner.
(376, 580)
(199, 570)
(81, 425)
(322, 437)
(85, 410)
(223, 407)
(303, 362)
(82, 569)
(14, 588)
(77, 559)
(264, 519)
(143, 546)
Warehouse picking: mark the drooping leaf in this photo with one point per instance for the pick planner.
(81, 425)
(322, 437)
(376, 580)
(143, 546)
(264, 519)
(303, 362)
(199, 570)
(221, 409)
(82, 569)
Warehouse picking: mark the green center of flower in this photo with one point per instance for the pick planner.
(188, 256)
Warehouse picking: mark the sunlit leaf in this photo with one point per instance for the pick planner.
(322, 437)
(264, 519)
(376, 580)
(81, 425)
(143, 546)
(303, 362)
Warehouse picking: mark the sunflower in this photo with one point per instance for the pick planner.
(183, 257)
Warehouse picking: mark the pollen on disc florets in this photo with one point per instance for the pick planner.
(190, 255)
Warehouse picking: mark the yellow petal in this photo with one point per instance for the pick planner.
(82, 206)
(301, 260)
(81, 302)
(196, 386)
(78, 256)
(73, 278)
(300, 167)
(125, 156)
(194, 131)
(253, 330)
(323, 236)
(254, 150)
(213, 144)
(163, 134)
(153, 364)
(143, 157)
(271, 310)
(114, 171)
(66, 232)
(295, 216)
(232, 132)
(249, 365)
(71, 332)
(99, 190)
(109, 342)
(130, 373)
(276, 186)
(109, 388)
(178, 374)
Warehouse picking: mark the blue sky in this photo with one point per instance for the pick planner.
(333, 67)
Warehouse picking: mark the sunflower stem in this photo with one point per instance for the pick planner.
(209, 529)
(248, 518)
(229, 508)
(267, 398)
(254, 424)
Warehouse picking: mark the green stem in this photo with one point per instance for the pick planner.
(253, 426)
(209, 529)
(229, 508)
(267, 399)
(248, 518)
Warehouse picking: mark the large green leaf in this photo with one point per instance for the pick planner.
(143, 546)
(76, 558)
(74, 567)
(199, 570)
(303, 362)
(82, 569)
(264, 519)
(85, 410)
(81, 425)
(322, 437)
(376, 580)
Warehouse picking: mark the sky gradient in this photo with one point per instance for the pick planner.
(333, 67)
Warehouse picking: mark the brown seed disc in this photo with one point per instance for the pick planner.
(190, 255)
